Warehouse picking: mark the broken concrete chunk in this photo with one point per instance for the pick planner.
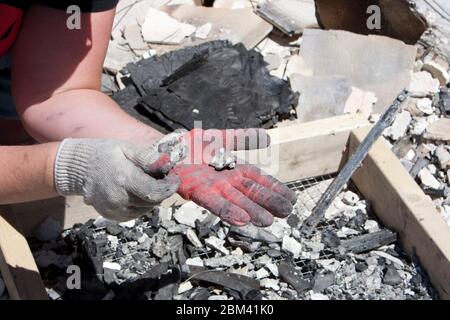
(270, 284)
(318, 296)
(438, 72)
(128, 224)
(184, 286)
(197, 261)
(418, 126)
(261, 274)
(290, 16)
(203, 31)
(111, 265)
(371, 226)
(133, 35)
(291, 246)
(188, 213)
(117, 57)
(320, 97)
(400, 126)
(232, 4)
(159, 27)
(439, 130)
(428, 180)
(330, 53)
(360, 102)
(425, 105)
(392, 277)
(422, 85)
(443, 156)
(164, 213)
(239, 25)
(226, 261)
(217, 244)
(48, 230)
(192, 237)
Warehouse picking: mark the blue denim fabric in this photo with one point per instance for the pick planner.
(7, 107)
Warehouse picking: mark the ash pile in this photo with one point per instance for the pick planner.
(185, 253)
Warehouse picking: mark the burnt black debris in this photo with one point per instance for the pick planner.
(161, 257)
(221, 84)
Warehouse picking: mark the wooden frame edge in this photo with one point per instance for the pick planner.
(401, 205)
(19, 270)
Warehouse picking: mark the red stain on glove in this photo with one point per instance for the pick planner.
(237, 196)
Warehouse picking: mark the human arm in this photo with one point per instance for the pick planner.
(56, 77)
(26, 172)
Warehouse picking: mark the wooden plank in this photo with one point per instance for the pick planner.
(304, 150)
(300, 150)
(67, 211)
(401, 205)
(17, 264)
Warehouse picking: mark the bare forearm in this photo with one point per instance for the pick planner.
(84, 113)
(26, 173)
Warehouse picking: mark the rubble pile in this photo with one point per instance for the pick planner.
(420, 135)
(184, 253)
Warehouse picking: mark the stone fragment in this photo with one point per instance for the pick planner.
(192, 237)
(437, 71)
(392, 277)
(399, 126)
(318, 296)
(425, 106)
(226, 261)
(159, 27)
(350, 198)
(128, 224)
(164, 213)
(320, 97)
(428, 180)
(217, 244)
(323, 281)
(443, 157)
(197, 261)
(184, 286)
(423, 85)
(291, 246)
(273, 269)
(238, 25)
(335, 52)
(418, 126)
(270, 284)
(111, 265)
(371, 226)
(439, 130)
(261, 274)
(188, 213)
(203, 31)
(360, 102)
(220, 297)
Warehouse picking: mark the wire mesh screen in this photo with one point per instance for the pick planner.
(309, 190)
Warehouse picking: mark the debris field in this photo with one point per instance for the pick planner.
(269, 64)
(185, 253)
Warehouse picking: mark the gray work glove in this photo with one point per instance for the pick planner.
(118, 179)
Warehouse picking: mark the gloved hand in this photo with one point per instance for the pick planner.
(118, 179)
(238, 196)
